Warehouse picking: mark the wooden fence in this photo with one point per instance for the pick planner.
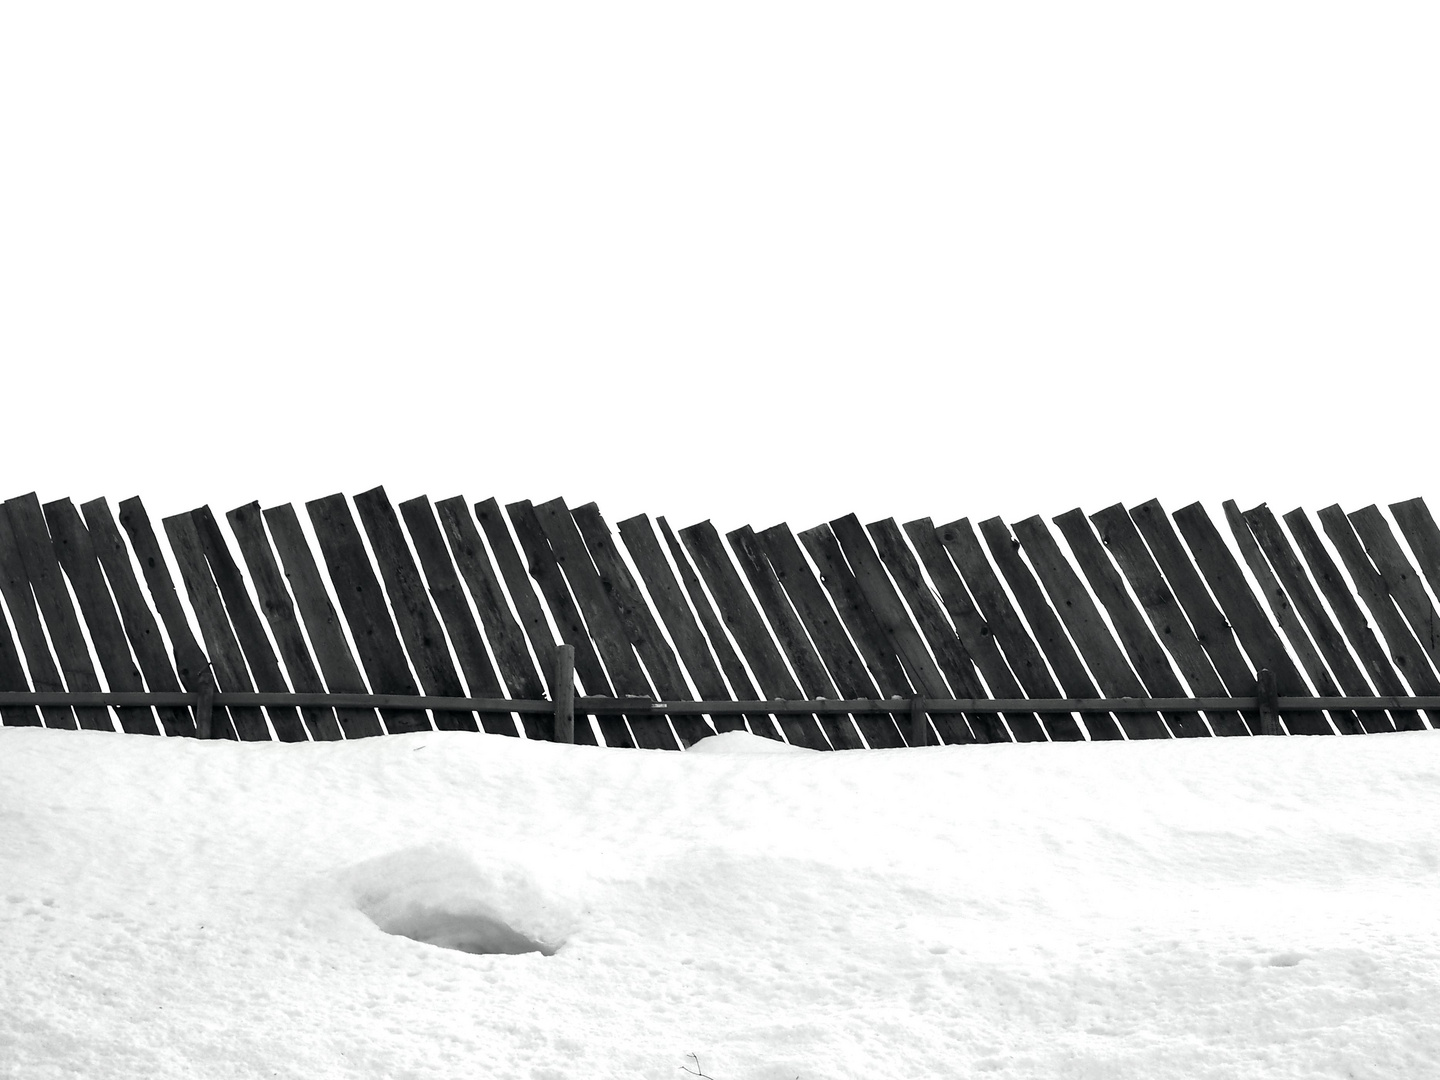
(1139, 625)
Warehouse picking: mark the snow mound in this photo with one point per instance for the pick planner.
(742, 742)
(436, 895)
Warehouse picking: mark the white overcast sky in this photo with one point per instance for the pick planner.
(746, 261)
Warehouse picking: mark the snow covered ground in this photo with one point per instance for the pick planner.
(1209, 908)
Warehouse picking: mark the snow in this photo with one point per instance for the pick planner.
(1209, 908)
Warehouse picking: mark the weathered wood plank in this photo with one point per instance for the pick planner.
(827, 630)
(751, 633)
(1286, 564)
(1021, 652)
(502, 629)
(1045, 625)
(1401, 578)
(37, 553)
(944, 640)
(1123, 540)
(974, 632)
(924, 673)
(190, 660)
(448, 596)
(12, 677)
(1374, 660)
(544, 569)
(669, 598)
(259, 653)
(1345, 721)
(420, 632)
(636, 619)
(865, 630)
(809, 669)
(136, 617)
(1138, 640)
(362, 602)
(1405, 651)
(20, 600)
(248, 527)
(337, 662)
(1087, 628)
(228, 663)
(1211, 628)
(76, 553)
(527, 606)
(1255, 631)
(1422, 534)
(618, 654)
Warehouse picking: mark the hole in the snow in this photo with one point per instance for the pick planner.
(469, 932)
(438, 896)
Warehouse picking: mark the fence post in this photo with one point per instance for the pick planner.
(919, 729)
(205, 704)
(564, 694)
(1269, 707)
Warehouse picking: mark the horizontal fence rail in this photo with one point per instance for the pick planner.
(362, 618)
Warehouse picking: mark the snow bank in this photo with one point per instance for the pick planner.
(1207, 908)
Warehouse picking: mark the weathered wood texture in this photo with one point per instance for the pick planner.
(332, 651)
(37, 554)
(248, 527)
(439, 610)
(1292, 577)
(363, 603)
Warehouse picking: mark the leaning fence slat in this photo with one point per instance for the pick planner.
(729, 660)
(502, 629)
(1401, 578)
(945, 643)
(545, 570)
(636, 619)
(1256, 633)
(1374, 660)
(37, 553)
(249, 530)
(1045, 624)
(665, 590)
(1409, 657)
(974, 632)
(74, 549)
(420, 632)
(909, 646)
(1087, 629)
(1286, 564)
(1346, 722)
(815, 680)
(138, 620)
(362, 601)
(824, 627)
(12, 678)
(1123, 540)
(1423, 536)
(20, 599)
(864, 627)
(190, 659)
(230, 672)
(613, 644)
(1204, 615)
(448, 596)
(259, 654)
(751, 633)
(1135, 635)
(338, 666)
(1023, 655)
